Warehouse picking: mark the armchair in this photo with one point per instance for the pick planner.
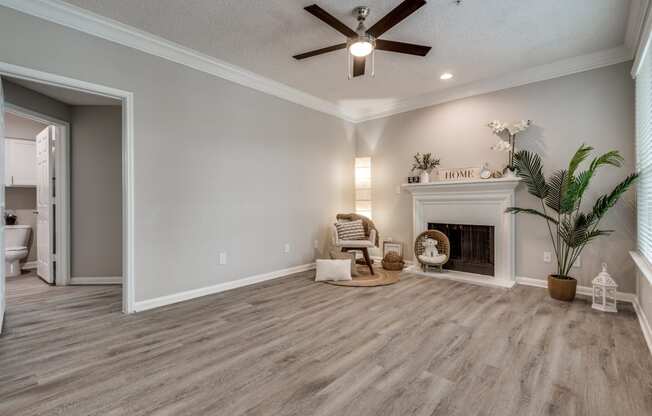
(358, 245)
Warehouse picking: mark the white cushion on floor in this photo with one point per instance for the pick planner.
(335, 270)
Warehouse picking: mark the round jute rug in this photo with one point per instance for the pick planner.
(380, 278)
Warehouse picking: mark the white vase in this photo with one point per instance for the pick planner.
(425, 177)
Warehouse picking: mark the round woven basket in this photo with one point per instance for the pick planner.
(443, 244)
(393, 261)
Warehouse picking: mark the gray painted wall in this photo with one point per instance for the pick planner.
(595, 107)
(218, 167)
(96, 191)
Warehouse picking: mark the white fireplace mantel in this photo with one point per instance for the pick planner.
(476, 202)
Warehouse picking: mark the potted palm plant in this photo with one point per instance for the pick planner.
(561, 197)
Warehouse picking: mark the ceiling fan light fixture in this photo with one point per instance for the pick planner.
(362, 46)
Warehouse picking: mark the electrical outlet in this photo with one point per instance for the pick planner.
(578, 262)
(547, 257)
(222, 258)
(398, 190)
(287, 247)
(315, 244)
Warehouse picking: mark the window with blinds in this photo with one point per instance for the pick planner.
(644, 156)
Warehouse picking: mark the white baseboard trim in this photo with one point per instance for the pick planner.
(144, 305)
(29, 265)
(100, 280)
(471, 278)
(644, 322)
(581, 290)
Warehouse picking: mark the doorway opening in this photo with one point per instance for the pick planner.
(70, 215)
(30, 195)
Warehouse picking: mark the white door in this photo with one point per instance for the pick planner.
(2, 206)
(43, 205)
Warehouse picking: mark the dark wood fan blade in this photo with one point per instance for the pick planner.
(358, 66)
(320, 51)
(330, 20)
(394, 17)
(400, 47)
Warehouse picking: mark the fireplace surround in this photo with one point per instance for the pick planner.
(470, 203)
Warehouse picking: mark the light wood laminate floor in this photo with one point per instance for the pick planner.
(294, 347)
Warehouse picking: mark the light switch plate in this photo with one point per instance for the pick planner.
(287, 247)
(222, 258)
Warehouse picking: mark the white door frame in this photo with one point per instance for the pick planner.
(127, 99)
(62, 199)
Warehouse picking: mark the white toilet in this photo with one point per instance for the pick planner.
(16, 239)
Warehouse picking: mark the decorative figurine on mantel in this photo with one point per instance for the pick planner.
(604, 291)
(424, 163)
(501, 130)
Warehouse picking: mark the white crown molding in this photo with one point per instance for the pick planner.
(518, 78)
(637, 12)
(88, 22)
(144, 305)
(640, 42)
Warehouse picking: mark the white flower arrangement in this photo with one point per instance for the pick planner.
(502, 146)
(520, 126)
(499, 128)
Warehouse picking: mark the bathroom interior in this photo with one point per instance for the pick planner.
(21, 187)
(85, 138)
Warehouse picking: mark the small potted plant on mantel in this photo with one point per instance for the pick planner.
(424, 163)
(561, 196)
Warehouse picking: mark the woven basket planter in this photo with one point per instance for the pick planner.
(393, 261)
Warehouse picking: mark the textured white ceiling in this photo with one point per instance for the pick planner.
(478, 40)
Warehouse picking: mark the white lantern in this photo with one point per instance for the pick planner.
(604, 291)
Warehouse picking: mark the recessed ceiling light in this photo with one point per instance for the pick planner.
(446, 76)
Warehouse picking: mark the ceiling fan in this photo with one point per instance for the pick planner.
(362, 42)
